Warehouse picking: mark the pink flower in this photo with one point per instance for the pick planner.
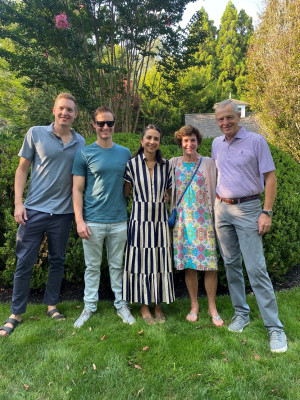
(61, 21)
(46, 55)
(81, 6)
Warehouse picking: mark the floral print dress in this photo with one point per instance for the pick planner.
(194, 238)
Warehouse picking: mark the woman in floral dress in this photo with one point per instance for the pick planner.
(194, 238)
(148, 276)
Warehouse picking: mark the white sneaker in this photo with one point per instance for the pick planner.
(126, 315)
(85, 315)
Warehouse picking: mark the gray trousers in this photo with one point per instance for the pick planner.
(115, 235)
(237, 232)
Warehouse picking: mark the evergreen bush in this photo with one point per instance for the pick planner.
(281, 244)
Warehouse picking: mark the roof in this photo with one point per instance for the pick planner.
(207, 125)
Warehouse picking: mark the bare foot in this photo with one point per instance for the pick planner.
(10, 326)
(146, 315)
(145, 312)
(159, 315)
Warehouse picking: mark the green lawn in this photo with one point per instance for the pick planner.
(46, 359)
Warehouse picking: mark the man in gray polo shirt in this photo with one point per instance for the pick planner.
(49, 151)
(244, 163)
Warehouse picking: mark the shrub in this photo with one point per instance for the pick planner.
(281, 244)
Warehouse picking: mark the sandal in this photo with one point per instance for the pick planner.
(216, 318)
(55, 310)
(8, 329)
(192, 317)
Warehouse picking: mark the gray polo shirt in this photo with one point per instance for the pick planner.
(50, 187)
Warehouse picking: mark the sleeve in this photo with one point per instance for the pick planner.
(79, 164)
(128, 174)
(213, 149)
(264, 157)
(129, 154)
(28, 148)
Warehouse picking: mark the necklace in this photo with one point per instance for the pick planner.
(150, 164)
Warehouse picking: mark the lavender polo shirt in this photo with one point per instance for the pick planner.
(241, 163)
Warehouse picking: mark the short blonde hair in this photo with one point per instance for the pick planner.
(187, 130)
(67, 96)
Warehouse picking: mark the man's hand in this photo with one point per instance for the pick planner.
(20, 214)
(83, 230)
(264, 224)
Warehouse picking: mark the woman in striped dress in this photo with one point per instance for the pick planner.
(148, 276)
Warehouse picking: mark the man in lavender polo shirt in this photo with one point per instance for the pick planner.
(244, 163)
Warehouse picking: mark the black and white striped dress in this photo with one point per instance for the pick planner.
(148, 276)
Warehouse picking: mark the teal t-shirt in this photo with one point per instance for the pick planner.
(103, 169)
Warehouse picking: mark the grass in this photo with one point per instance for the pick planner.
(183, 361)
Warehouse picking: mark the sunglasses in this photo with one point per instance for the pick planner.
(101, 124)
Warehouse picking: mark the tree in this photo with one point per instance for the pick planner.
(13, 94)
(198, 83)
(232, 43)
(204, 68)
(273, 63)
(165, 93)
(98, 50)
(21, 107)
(182, 81)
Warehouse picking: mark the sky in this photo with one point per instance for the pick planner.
(215, 9)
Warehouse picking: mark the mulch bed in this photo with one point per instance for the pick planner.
(71, 291)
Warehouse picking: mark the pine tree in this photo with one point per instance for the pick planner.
(198, 83)
(233, 39)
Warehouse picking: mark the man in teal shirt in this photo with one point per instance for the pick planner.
(101, 212)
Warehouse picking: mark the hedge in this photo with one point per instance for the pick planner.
(281, 244)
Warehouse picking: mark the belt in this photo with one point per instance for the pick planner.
(241, 200)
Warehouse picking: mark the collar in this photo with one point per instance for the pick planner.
(142, 155)
(240, 135)
(51, 130)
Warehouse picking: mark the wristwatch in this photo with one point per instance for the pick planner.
(268, 213)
